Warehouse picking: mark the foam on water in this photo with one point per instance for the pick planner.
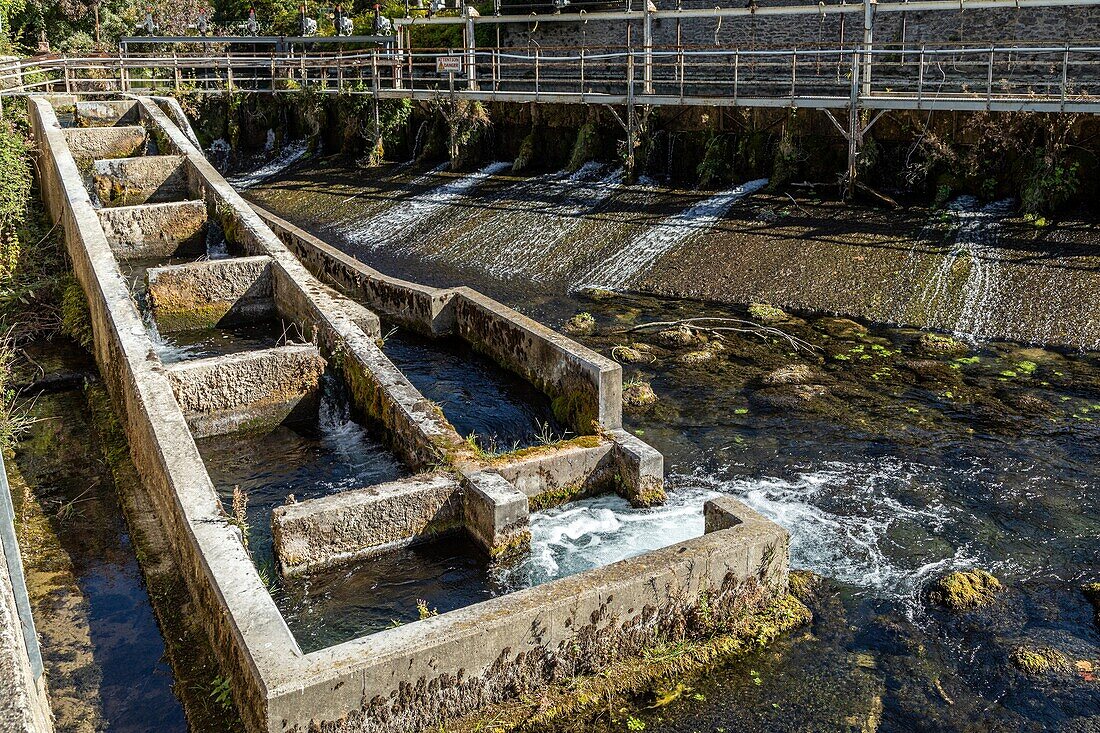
(847, 522)
(594, 532)
(619, 270)
(291, 154)
(406, 215)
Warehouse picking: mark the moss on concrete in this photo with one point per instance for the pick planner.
(965, 590)
(579, 699)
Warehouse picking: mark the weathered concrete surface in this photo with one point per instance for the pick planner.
(641, 470)
(464, 659)
(583, 385)
(248, 390)
(148, 179)
(496, 514)
(553, 475)
(411, 305)
(106, 113)
(199, 295)
(585, 388)
(146, 231)
(352, 524)
(98, 143)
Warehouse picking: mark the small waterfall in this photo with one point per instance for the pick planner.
(217, 248)
(168, 352)
(406, 215)
(347, 439)
(619, 270)
(418, 141)
(289, 155)
(974, 247)
(591, 533)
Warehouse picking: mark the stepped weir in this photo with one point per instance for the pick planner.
(131, 188)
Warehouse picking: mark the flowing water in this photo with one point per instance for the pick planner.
(890, 464)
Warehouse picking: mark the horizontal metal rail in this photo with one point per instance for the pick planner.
(1047, 78)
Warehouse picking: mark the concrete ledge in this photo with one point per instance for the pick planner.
(559, 473)
(641, 470)
(321, 532)
(106, 113)
(414, 306)
(172, 229)
(496, 514)
(148, 179)
(247, 390)
(585, 388)
(199, 295)
(97, 143)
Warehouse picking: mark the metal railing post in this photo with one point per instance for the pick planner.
(582, 75)
(920, 78)
(989, 79)
(1065, 76)
(647, 52)
(736, 73)
(229, 71)
(471, 54)
(536, 74)
(794, 65)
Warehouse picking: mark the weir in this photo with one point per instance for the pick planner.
(331, 308)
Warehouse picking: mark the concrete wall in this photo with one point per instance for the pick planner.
(211, 293)
(147, 231)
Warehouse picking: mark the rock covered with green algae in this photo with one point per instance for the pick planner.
(965, 590)
(582, 324)
(638, 396)
(938, 343)
(767, 313)
(1039, 660)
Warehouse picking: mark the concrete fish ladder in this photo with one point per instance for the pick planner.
(621, 269)
(405, 216)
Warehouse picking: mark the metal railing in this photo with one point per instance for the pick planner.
(1041, 78)
(14, 563)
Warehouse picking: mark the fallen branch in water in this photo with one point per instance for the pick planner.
(728, 325)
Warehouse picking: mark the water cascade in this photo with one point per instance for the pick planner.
(621, 269)
(288, 156)
(399, 221)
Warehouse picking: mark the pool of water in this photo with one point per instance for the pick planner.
(478, 397)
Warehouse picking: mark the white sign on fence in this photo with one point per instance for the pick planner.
(448, 64)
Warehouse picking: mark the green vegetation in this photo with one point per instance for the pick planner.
(1038, 660)
(965, 590)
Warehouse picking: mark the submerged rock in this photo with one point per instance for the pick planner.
(1092, 593)
(790, 374)
(767, 313)
(965, 590)
(1039, 660)
(938, 343)
(582, 324)
(844, 328)
(638, 395)
(694, 358)
(633, 354)
(790, 396)
(678, 337)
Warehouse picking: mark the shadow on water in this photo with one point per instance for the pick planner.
(477, 396)
(103, 651)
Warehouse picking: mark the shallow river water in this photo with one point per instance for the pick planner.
(890, 461)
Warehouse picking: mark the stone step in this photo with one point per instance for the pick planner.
(147, 231)
(147, 179)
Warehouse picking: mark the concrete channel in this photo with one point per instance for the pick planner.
(128, 183)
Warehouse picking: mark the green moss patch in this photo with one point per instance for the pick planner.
(965, 590)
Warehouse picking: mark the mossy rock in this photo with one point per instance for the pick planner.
(582, 324)
(696, 358)
(805, 585)
(598, 294)
(767, 313)
(679, 337)
(965, 590)
(634, 354)
(791, 374)
(638, 396)
(843, 328)
(938, 343)
(1038, 660)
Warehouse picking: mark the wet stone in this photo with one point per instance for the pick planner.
(679, 337)
(637, 396)
(937, 343)
(844, 328)
(790, 374)
(965, 590)
(767, 313)
(582, 324)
